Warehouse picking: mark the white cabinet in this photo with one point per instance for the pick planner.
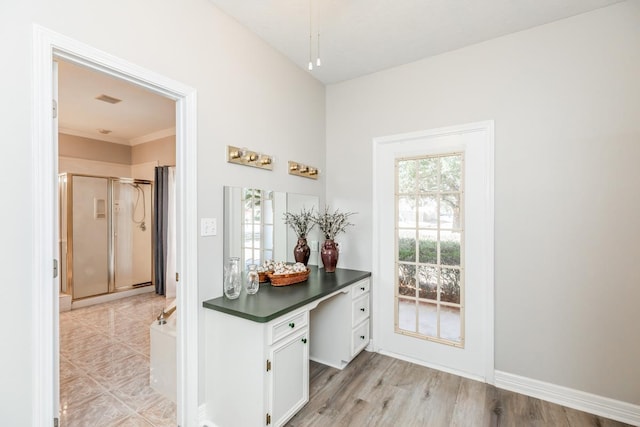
(360, 316)
(340, 326)
(257, 373)
(359, 338)
(288, 379)
(360, 288)
(286, 325)
(287, 376)
(359, 310)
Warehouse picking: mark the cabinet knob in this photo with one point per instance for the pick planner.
(362, 288)
(361, 337)
(293, 325)
(304, 340)
(362, 309)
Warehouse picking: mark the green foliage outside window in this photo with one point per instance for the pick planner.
(449, 251)
(412, 281)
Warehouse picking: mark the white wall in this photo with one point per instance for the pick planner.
(248, 95)
(144, 171)
(565, 98)
(162, 151)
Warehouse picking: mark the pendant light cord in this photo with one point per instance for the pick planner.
(310, 35)
(318, 61)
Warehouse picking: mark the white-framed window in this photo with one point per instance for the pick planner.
(429, 236)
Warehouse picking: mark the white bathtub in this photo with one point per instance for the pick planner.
(162, 372)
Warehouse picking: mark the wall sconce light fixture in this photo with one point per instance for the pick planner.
(265, 160)
(234, 154)
(304, 171)
(246, 157)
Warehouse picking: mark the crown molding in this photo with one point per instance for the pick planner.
(153, 136)
(97, 136)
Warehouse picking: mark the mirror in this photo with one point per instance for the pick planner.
(254, 230)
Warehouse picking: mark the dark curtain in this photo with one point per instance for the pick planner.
(161, 209)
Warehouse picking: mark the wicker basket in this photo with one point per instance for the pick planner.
(288, 279)
(263, 276)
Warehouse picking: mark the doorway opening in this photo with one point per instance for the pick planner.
(50, 46)
(114, 140)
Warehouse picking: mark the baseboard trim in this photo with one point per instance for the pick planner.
(432, 366)
(576, 399)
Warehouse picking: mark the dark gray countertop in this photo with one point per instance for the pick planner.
(274, 301)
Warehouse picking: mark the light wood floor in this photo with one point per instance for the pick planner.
(376, 390)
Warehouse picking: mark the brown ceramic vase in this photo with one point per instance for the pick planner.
(329, 255)
(302, 251)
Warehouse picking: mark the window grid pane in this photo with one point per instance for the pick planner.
(429, 288)
(257, 226)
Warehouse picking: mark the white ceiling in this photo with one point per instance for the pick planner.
(359, 37)
(140, 117)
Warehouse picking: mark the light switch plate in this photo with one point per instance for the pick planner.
(208, 227)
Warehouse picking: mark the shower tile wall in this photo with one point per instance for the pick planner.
(104, 366)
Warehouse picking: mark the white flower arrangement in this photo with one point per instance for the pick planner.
(332, 223)
(301, 223)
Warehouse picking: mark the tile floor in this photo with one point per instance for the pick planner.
(104, 366)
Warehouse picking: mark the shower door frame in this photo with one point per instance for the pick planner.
(111, 249)
(113, 288)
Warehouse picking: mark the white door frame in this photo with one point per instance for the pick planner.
(47, 45)
(488, 326)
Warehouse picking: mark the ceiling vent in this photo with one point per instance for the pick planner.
(109, 99)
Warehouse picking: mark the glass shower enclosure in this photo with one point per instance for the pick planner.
(106, 242)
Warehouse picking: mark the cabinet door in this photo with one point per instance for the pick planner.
(289, 377)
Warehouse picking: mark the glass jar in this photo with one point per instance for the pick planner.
(232, 282)
(252, 284)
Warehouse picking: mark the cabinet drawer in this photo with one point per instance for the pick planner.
(286, 326)
(360, 338)
(360, 288)
(360, 310)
